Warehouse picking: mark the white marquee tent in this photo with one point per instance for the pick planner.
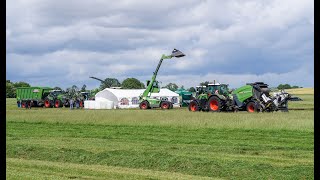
(129, 98)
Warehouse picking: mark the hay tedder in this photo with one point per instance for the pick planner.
(253, 97)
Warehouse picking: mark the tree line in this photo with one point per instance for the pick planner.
(129, 83)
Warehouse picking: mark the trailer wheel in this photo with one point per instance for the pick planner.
(144, 105)
(57, 103)
(251, 107)
(23, 105)
(165, 105)
(214, 104)
(47, 103)
(193, 106)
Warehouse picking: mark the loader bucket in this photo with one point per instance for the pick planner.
(176, 53)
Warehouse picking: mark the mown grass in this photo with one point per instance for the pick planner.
(176, 144)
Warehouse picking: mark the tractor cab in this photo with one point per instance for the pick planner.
(200, 90)
(55, 93)
(217, 88)
(85, 95)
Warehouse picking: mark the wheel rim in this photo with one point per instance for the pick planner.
(214, 105)
(144, 106)
(193, 107)
(57, 104)
(46, 103)
(251, 108)
(165, 106)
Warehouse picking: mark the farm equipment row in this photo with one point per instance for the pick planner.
(253, 97)
(48, 97)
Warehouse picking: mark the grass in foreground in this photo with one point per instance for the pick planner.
(177, 144)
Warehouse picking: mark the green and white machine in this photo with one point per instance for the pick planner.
(253, 97)
(146, 102)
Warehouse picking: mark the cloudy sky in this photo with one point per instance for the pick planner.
(62, 43)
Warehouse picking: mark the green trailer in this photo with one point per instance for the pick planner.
(185, 96)
(35, 94)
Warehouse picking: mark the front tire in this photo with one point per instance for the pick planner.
(193, 106)
(144, 105)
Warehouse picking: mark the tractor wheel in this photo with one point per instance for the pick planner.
(252, 107)
(57, 103)
(144, 105)
(23, 104)
(47, 103)
(214, 104)
(165, 105)
(81, 104)
(193, 106)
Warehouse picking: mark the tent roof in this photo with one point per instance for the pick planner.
(136, 92)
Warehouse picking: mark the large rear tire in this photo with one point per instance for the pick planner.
(251, 107)
(144, 105)
(165, 105)
(214, 104)
(47, 103)
(194, 106)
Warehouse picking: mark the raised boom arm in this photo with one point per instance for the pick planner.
(151, 85)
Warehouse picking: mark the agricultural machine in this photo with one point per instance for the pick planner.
(253, 97)
(48, 97)
(56, 98)
(35, 94)
(146, 102)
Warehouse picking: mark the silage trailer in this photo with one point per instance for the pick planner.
(36, 94)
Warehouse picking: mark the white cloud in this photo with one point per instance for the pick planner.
(71, 40)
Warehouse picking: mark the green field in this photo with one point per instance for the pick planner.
(155, 144)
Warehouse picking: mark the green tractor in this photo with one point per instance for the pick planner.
(56, 98)
(214, 97)
(146, 102)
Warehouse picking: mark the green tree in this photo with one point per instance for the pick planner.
(294, 87)
(171, 86)
(192, 89)
(110, 82)
(204, 83)
(284, 86)
(132, 83)
(93, 92)
(10, 90)
(21, 84)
